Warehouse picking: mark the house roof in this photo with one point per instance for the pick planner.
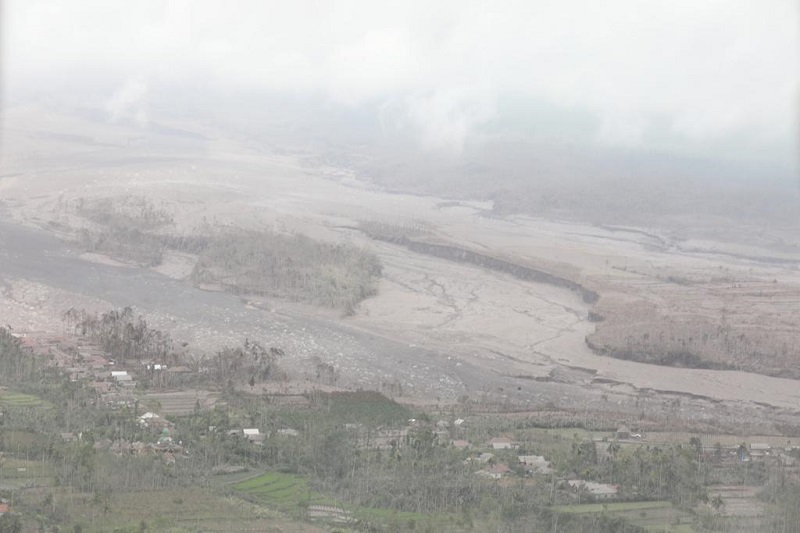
(250, 431)
(592, 487)
(532, 459)
(499, 469)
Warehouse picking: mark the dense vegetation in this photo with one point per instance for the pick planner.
(294, 267)
(124, 228)
(262, 262)
(353, 452)
(697, 342)
(121, 334)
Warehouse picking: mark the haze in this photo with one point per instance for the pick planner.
(399, 266)
(718, 80)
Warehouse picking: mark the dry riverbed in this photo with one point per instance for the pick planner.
(440, 328)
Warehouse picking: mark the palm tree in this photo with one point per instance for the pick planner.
(717, 502)
(697, 445)
(613, 448)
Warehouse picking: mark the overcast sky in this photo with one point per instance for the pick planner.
(718, 78)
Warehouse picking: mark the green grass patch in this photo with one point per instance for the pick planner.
(288, 493)
(174, 510)
(18, 440)
(611, 507)
(333, 410)
(18, 473)
(656, 516)
(366, 407)
(291, 494)
(19, 399)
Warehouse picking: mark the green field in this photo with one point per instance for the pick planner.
(611, 507)
(659, 516)
(19, 399)
(366, 407)
(288, 493)
(17, 473)
(291, 494)
(336, 409)
(175, 511)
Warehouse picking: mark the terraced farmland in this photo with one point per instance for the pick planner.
(659, 516)
(19, 399)
(288, 493)
(181, 403)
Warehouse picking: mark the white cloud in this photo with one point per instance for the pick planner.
(446, 118)
(711, 69)
(129, 102)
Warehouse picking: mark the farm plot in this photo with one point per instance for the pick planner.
(291, 494)
(659, 516)
(19, 399)
(18, 473)
(738, 500)
(177, 510)
(180, 403)
(284, 492)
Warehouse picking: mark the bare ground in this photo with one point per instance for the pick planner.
(439, 328)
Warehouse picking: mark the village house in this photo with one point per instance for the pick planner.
(460, 444)
(497, 471)
(760, 448)
(482, 458)
(502, 443)
(535, 463)
(154, 421)
(600, 491)
(251, 433)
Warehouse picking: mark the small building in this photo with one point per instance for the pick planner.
(600, 491)
(536, 463)
(125, 380)
(153, 421)
(460, 444)
(253, 435)
(760, 450)
(4, 508)
(288, 432)
(484, 458)
(623, 433)
(502, 443)
(497, 471)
